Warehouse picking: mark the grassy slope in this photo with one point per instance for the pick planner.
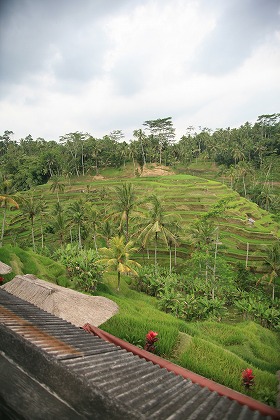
(229, 348)
(186, 195)
(218, 351)
(27, 262)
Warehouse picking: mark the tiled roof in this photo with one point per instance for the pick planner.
(82, 376)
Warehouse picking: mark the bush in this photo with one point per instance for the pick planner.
(82, 266)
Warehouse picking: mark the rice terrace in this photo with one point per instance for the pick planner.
(183, 237)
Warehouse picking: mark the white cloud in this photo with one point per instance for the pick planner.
(139, 61)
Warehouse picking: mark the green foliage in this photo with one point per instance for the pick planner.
(261, 310)
(27, 262)
(217, 350)
(199, 284)
(117, 257)
(83, 266)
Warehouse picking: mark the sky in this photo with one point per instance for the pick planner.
(101, 65)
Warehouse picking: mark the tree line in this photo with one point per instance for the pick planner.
(247, 156)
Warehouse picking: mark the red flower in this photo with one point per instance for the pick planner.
(151, 336)
(248, 378)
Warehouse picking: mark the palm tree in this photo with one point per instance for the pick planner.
(126, 200)
(237, 153)
(76, 216)
(93, 217)
(30, 207)
(42, 211)
(117, 256)
(157, 225)
(59, 223)
(232, 173)
(266, 198)
(244, 169)
(202, 234)
(272, 261)
(6, 201)
(57, 186)
(107, 231)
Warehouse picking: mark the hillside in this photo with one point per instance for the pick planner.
(186, 196)
(216, 350)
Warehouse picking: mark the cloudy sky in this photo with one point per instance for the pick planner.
(101, 65)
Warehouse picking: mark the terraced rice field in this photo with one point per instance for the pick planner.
(187, 196)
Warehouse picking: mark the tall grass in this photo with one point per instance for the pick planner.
(223, 366)
(218, 351)
(27, 262)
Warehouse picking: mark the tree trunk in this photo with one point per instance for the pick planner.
(80, 237)
(244, 186)
(247, 255)
(94, 240)
(127, 228)
(170, 259)
(3, 226)
(215, 260)
(83, 165)
(42, 235)
(119, 281)
(155, 250)
(32, 234)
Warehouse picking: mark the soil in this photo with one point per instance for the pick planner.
(98, 177)
(155, 170)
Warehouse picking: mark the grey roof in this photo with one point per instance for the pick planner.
(68, 304)
(86, 377)
(4, 268)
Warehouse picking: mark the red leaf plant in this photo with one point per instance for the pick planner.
(248, 378)
(151, 339)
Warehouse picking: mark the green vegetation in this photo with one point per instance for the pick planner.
(27, 262)
(193, 255)
(217, 350)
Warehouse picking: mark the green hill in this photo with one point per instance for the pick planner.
(187, 196)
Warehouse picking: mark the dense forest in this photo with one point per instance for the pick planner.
(248, 156)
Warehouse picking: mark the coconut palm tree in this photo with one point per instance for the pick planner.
(202, 237)
(77, 216)
(272, 261)
(117, 257)
(57, 186)
(5, 202)
(157, 225)
(107, 231)
(244, 169)
(43, 212)
(93, 217)
(59, 222)
(125, 202)
(30, 207)
(202, 234)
